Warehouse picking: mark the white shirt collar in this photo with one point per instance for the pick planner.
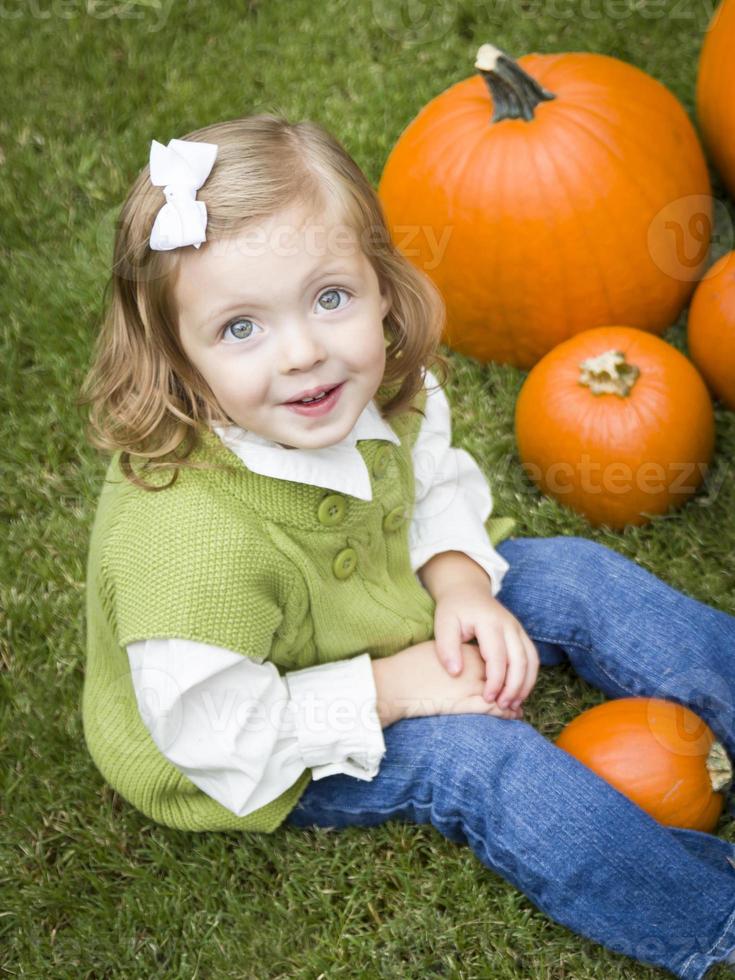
(338, 467)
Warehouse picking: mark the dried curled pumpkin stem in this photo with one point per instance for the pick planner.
(719, 767)
(608, 374)
(514, 92)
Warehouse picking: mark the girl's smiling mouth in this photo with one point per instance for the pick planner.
(320, 406)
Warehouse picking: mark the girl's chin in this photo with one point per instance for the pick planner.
(318, 443)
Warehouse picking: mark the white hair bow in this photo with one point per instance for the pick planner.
(180, 168)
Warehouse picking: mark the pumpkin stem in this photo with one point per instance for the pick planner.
(608, 374)
(719, 767)
(514, 92)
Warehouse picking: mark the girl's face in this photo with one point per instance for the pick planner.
(287, 305)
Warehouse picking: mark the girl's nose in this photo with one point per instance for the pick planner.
(300, 347)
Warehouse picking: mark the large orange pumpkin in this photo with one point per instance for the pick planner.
(711, 328)
(617, 424)
(547, 196)
(659, 754)
(715, 84)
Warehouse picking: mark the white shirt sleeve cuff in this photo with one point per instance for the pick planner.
(487, 557)
(333, 713)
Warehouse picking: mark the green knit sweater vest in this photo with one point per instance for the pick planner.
(272, 569)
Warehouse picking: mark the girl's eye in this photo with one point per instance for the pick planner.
(334, 293)
(242, 327)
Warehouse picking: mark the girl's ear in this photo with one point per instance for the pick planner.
(385, 305)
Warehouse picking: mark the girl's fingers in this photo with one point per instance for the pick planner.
(481, 705)
(532, 667)
(517, 664)
(508, 713)
(477, 703)
(448, 643)
(492, 650)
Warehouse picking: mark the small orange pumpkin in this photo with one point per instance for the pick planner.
(548, 195)
(617, 424)
(659, 754)
(711, 329)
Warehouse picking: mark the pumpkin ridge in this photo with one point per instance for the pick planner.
(454, 195)
(646, 418)
(615, 156)
(507, 330)
(566, 306)
(644, 113)
(470, 171)
(589, 237)
(612, 222)
(451, 159)
(440, 123)
(452, 116)
(621, 135)
(458, 154)
(529, 273)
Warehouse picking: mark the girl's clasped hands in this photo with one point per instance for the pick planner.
(510, 657)
(487, 678)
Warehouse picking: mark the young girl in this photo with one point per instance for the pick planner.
(298, 610)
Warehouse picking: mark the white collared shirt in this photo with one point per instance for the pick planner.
(209, 744)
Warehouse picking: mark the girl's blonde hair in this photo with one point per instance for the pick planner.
(147, 400)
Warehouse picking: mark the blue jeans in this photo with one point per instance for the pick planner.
(582, 852)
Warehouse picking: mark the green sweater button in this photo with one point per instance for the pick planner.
(332, 510)
(382, 459)
(345, 563)
(394, 519)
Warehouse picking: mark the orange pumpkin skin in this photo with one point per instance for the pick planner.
(597, 210)
(711, 329)
(715, 83)
(616, 460)
(655, 752)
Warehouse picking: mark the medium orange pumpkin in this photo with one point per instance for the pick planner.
(715, 84)
(659, 754)
(711, 328)
(617, 424)
(550, 195)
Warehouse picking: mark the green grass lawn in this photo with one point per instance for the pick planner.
(90, 887)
